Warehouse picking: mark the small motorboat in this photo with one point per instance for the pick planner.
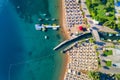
(46, 37)
(44, 14)
(39, 19)
(53, 19)
(18, 7)
(46, 19)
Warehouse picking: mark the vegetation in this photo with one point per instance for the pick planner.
(83, 13)
(107, 52)
(97, 53)
(108, 63)
(119, 19)
(99, 63)
(79, 1)
(110, 46)
(91, 40)
(95, 47)
(100, 76)
(117, 76)
(94, 75)
(103, 11)
(85, 20)
(88, 26)
(119, 41)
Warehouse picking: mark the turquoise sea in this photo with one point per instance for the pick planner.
(24, 52)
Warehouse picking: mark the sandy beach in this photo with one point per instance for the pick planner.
(63, 20)
(66, 36)
(64, 67)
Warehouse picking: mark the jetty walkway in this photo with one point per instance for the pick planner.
(95, 35)
(93, 31)
(40, 27)
(70, 40)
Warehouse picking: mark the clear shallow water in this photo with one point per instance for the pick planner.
(31, 56)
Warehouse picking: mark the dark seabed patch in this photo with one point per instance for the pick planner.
(28, 8)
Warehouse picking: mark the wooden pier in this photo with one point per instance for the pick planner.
(96, 35)
(67, 41)
(93, 32)
(40, 27)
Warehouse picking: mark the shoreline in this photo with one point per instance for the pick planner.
(62, 20)
(64, 67)
(63, 31)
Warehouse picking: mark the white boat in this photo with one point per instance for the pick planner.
(46, 37)
(18, 7)
(44, 14)
(53, 19)
(54, 28)
(39, 19)
(38, 27)
(46, 19)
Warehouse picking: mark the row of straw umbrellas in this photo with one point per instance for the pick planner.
(73, 13)
(83, 64)
(69, 0)
(76, 75)
(83, 55)
(82, 60)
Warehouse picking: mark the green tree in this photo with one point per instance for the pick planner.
(91, 40)
(117, 76)
(83, 13)
(119, 19)
(118, 26)
(94, 75)
(107, 23)
(93, 14)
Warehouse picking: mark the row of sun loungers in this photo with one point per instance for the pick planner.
(73, 13)
(82, 58)
(75, 75)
